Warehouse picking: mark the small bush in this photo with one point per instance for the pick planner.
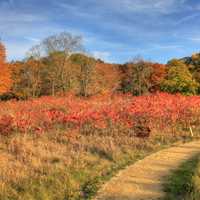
(9, 96)
(6, 124)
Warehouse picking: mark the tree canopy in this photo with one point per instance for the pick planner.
(59, 65)
(5, 73)
(179, 79)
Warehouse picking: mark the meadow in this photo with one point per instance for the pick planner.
(67, 147)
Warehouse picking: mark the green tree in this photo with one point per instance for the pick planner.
(193, 64)
(179, 79)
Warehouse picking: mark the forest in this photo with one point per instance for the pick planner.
(60, 65)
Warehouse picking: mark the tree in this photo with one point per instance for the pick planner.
(2, 53)
(141, 77)
(16, 70)
(26, 75)
(87, 73)
(59, 48)
(47, 69)
(193, 64)
(55, 81)
(33, 71)
(141, 73)
(137, 77)
(125, 71)
(157, 76)
(5, 73)
(179, 79)
(108, 77)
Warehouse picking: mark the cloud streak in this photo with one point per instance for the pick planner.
(113, 29)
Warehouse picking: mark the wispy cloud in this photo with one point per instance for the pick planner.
(112, 29)
(148, 6)
(187, 18)
(32, 39)
(166, 47)
(195, 39)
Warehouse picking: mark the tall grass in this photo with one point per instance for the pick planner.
(55, 166)
(58, 148)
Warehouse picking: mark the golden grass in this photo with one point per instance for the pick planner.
(62, 165)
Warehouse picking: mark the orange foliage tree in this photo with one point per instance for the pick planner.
(108, 77)
(157, 76)
(5, 73)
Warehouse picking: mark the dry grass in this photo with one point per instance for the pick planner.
(64, 165)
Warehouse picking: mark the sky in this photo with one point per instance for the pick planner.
(113, 30)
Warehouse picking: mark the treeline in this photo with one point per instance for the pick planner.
(59, 65)
(56, 66)
(176, 76)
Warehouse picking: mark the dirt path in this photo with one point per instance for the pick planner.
(143, 180)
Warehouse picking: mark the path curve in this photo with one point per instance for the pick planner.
(143, 180)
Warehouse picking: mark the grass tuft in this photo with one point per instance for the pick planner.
(183, 182)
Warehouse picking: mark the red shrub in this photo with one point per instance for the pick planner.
(6, 124)
(161, 111)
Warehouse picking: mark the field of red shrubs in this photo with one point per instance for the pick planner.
(157, 112)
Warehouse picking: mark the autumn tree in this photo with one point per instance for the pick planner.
(141, 77)
(157, 76)
(34, 68)
(193, 64)
(16, 74)
(26, 75)
(86, 73)
(59, 48)
(141, 73)
(125, 71)
(52, 83)
(137, 76)
(108, 77)
(5, 73)
(179, 79)
(47, 69)
(2, 53)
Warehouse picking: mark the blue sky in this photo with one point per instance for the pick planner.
(114, 30)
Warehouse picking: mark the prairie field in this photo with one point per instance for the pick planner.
(66, 147)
